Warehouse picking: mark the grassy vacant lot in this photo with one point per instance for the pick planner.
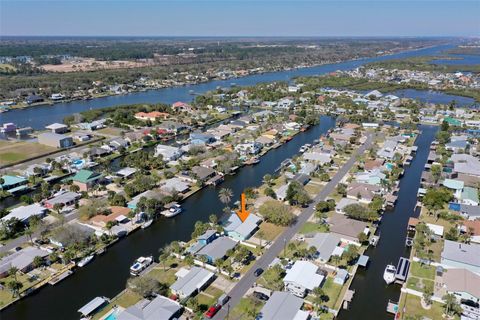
(422, 271)
(111, 131)
(269, 231)
(246, 309)
(311, 227)
(413, 308)
(332, 290)
(12, 151)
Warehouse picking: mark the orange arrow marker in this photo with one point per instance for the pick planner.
(243, 213)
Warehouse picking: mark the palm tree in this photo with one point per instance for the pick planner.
(15, 287)
(13, 272)
(451, 304)
(164, 255)
(225, 195)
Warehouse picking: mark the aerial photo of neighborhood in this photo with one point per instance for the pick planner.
(193, 163)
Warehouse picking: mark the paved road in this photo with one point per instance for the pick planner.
(17, 242)
(249, 278)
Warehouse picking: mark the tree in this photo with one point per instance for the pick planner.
(436, 171)
(74, 188)
(427, 295)
(14, 286)
(203, 259)
(362, 237)
(296, 194)
(277, 213)
(26, 199)
(225, 195)
(164, 255)
(13, 272)
(351, 254)
(58, 207)
(192, 303)
(270, 193)
(325, 206)
(452, 307)
(435, 199)
(118, 200)
(342, 189)
(274, 278)
(37, 261)
(267, 179)
(146, 286)
(357, 211)
(213, 219)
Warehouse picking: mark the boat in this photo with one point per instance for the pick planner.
(389, 274)
(147, 224)
(374, 240)
(174, 209)
(253, 160)
(140, 264)
(85, 261)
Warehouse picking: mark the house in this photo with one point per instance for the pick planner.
(207, 237)
(283, 306)
(22, 260)
(190, 282)
(175, 185)
(57, 128)
(239, 230)
(317, 157)
(126, 172)
(463, 283)
(466, 164)
(281, 192)
(248, 148)
(265, 141)
(55, 140)
(461, 255)
(200, 138)
(25, 131)
(374, 177)
(363, 192)
(472, 228)
(302, 278)
(173, 127)
(455, 185)
(117, 214)
(168, 153)
(118, 143)
(24, 213)
(159, 308)
(37, 170)
(149, 194)
(98, 152)
(217, 249)
(470, 212)
(34, 99)
(13, 183)
(86, 179)
(64, 199)
(151, 116)
(202, 173)
(325, 243)
(182, 107)
(347, 229)
(469, 196)
(344, 202)
(341, 277)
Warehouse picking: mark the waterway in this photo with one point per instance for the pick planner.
(107, 274)
(371, 292)
(39, 117)
(430, 96)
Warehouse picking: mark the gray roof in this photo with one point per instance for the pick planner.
(21, 259)
(245, 228)
(63, 198)
(92, 306)
(463, 253)
(159, 308)
(194, 280)
(207, 234)
(345, 202)
(325, 243)
(175, 184)
(218, 248)
(23, 213)
(281, 306)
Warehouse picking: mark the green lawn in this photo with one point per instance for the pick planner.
(332, 290)
(246, 309)
(413, 308)
(311, 227)
(269, 231)
(422, 271)
(164, 276)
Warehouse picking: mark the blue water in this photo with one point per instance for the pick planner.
(39, 117)
(428, 96)
(111, 316)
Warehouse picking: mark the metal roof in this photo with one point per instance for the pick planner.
(92, 305)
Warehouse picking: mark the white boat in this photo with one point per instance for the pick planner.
(389, 274)
(147, 224)
(172, 211)
(85, 260)
(140, 264)
(302, 149)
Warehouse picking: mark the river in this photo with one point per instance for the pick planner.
(371, 292)
(41, 116)
(107, 274)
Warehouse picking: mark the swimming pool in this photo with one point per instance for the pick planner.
(111, 316)
(78, 163)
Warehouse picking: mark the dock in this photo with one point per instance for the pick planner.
(392, 307)
(60, 277)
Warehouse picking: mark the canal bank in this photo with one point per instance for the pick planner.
(371, 292)
(107, 274)
(39, 117)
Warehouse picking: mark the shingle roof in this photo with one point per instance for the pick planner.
(281, 306)
(304, 273)
(195, 279)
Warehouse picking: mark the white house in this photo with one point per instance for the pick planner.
(302, 277)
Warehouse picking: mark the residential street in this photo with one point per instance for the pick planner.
(249, 278)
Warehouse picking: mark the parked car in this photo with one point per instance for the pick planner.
(260, 296)
(223, 299)
(212, 311)
(258, 272)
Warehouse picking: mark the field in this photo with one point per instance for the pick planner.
(11, 152)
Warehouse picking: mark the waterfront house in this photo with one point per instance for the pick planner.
(302, 278)
(461, 255)
(34, 99)
(57, 128)
(22, 260)
(86, 179)
(341, 277)
(37, 170)
(363, 192)
(168, 153)
(251, 148)
(347, 229)
(149, 194)
(200, 138)
(190, 282)
(126, 172)
(182, 107)
(173, 127)
(24, 213)
(13, 183)
(202, 174)
(466, 164)
(118, 143)
(175, 185)
(344, 202)
(455, 185)
(318, 156)
(151, 116)
(283, 306)
(158, 308)
(241, 231)
(117, 214)
(66, 198)
(463, 283)
(325, 243)
(217, 249)
(55, 140)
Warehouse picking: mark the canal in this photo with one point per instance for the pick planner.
(371, 292)
(39, 117)
(107, 274)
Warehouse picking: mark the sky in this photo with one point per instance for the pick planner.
(240, 18)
